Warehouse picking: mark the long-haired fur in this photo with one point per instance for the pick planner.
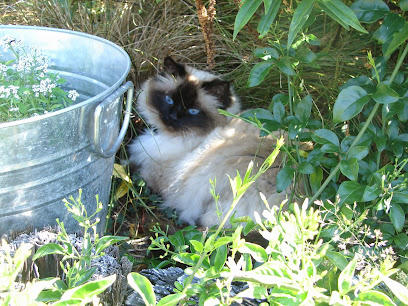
(189, 142)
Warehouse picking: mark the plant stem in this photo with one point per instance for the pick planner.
(364, 128)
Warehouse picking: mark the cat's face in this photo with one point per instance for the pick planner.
(182, 99)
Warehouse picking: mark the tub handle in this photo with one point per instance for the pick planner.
(106, 153)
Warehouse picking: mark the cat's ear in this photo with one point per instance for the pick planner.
(173, 67)
(221, 90)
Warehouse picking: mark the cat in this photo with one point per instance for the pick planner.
(189, 142)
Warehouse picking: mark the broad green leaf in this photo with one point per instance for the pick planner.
(384, 94)
(349, 103)
(220, 257)
(261, 114)
(221, 241)
(392, 23)
(171, 299)
(401, 241)
(245, 13)
(306, 168)
(266, 53)
(404, 5)
(305, 55)
(278, 111)
(349, 167)
(300, 16)
(324, 136)
(49, 248)
(316, 179)
(304, 108)
(258, 73)
(330, 148)
(372, 297)
(198, 246)
(177, 239)
(400, 197)
(397, 217)
(142, 285)
(191, 259)
(399, 38)
(267, 4)
(369, 11)
(346, 277)
(284, 178)
(371, 193)
(256, 251)
(350, 192)
(341, 13)
(358, 152)
(88, 290)
(268, 18)
(107, 241)
(337, 259)
(285, 65)
(400, 291)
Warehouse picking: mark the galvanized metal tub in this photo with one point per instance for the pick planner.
(47, 158)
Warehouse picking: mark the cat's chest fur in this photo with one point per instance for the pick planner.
(194, 144)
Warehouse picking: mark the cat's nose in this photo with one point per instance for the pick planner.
(173, 115)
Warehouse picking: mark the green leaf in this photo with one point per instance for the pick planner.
(305, 55)
(330, 148)
(341, 13)
(346, 277)
(284, 178)
(337, 259)
(392, 23)
(191, 259)
(278, 111)
(142, 286)
(258, 73)
(171, 299)
(401, 241)
(304, 108)
(268, 18)
(369, 11)
(49, 248)
(358, 152)
(306, 168)
(316, 179)
(404, 5)
(400, 291)
(324, 136)
(300, 16)
(245, 13)
(256, 251)
(372, 297)
(397, 217)
(221, 241)
(88, 290)
(349, 167)
(220, 257)
(399, 38)
(349, 103)
(285, 65)
(107, 241)
(384, 94)
(400, 197)
(371, 193)
(266, 53)
(198, 246)
(350, 192)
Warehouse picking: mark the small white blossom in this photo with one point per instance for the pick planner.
(72, 94)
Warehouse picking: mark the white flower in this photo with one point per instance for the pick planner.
(72, 94)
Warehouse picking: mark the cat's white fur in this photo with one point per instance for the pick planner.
(179, 165)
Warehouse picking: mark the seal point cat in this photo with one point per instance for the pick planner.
(188, 142)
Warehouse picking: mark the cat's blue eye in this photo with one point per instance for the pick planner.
(169, 100)
(193, 111)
